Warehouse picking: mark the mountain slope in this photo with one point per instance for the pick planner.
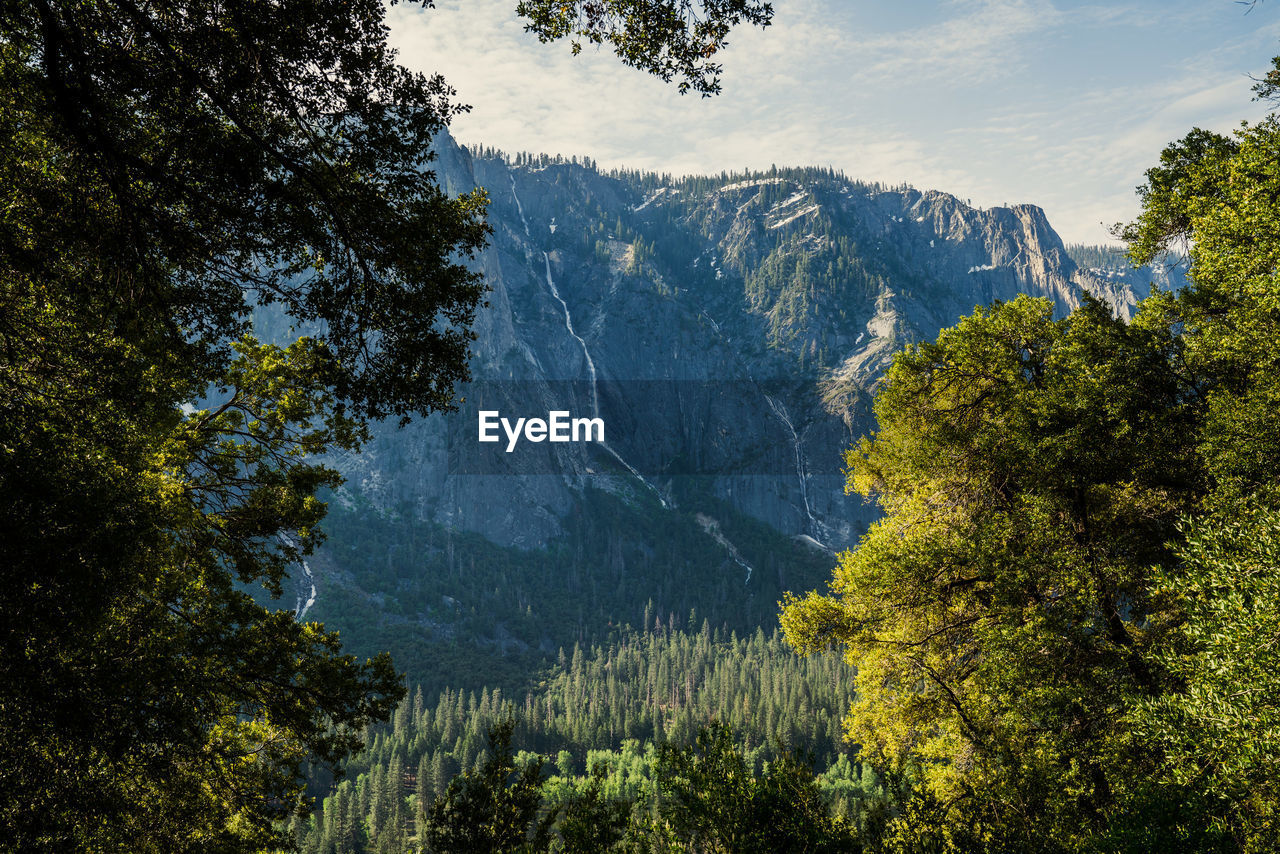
(729, 331)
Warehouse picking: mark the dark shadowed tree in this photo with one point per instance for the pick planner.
(592, 822)
(166, 167)
(493, 809)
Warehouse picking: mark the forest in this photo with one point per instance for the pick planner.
(599, 720)
(1060, 636)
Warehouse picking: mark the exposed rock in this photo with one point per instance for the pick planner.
(732, 299)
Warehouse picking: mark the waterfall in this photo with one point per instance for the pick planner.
(712, 529)
(815, 527)
(300, 607)
(591, 372)
(568, 324)
(519, 207)
(586, 352)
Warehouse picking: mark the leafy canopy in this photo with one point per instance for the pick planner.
(1062, 625)
(1030, 470)
(668, 38)
(495, 808)
(1218, 725)
(167, 167)
(710, 799)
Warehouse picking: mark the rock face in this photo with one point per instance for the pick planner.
(727, 329)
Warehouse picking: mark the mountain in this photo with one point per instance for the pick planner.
(729, 331)
(1109, 275)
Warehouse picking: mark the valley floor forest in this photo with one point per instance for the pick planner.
(230, 260)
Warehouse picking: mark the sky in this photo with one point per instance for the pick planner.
(1059, 104)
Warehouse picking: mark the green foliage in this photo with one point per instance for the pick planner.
(1218, 724)
(704, 795)
(1031, 472)
(148, 701)
(592, 821)
(495, 809)
(665, 684)
(1221, 728)
(711, 801)
(667, 38)
(166, 171)
(1188, 177)
(603, 711)
(1216, 193)
(1050, 656)
(158, 181)
(165, 178)
(795, 284)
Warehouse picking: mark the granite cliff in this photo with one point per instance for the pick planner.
(730, 330)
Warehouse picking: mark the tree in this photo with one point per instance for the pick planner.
(1064, 626)
(166, 169)
(148, 701)
(1217, 726)
(1218, 730)
(710, 800)
(201, 180)
(591, 822)
(668, 38)
(1031, 471)
(493, 809)
(1214, 195)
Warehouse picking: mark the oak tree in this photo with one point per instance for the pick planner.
(167, 167)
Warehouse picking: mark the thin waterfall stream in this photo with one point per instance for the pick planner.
(814, 528)
(586, 352)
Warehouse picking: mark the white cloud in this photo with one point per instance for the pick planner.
(986, 39)
(1062, 105)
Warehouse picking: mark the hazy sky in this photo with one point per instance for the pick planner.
(1056, 103)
